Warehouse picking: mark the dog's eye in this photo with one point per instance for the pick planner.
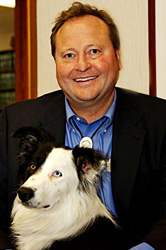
(32, 167)
(57, 174)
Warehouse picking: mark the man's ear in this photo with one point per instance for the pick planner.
(118, 56)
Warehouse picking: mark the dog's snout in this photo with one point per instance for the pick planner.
(25, 194)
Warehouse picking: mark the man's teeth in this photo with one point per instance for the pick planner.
(85, 79)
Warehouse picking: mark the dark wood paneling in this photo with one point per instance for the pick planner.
(33, 51)
(152, 47)
(25, 49)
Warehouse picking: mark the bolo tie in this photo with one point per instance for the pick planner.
(86, 141)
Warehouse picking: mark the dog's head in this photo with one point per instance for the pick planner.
(48, 173)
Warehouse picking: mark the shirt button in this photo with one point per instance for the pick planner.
(105, 130)
(78, 119)
(73, 130)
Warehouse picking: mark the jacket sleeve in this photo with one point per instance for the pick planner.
(157, 236)
(4, 214)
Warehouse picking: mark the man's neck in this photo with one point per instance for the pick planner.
(91, 111)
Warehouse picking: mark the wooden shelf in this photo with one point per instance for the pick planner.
(7, 70)
(6, 89)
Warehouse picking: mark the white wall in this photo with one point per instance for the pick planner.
(5, 41)
(161, 47)
(132, 19)
(6, 28)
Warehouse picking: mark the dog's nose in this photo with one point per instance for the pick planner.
(25, 194)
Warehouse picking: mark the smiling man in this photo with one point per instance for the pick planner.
(90, 111)
(87, 65)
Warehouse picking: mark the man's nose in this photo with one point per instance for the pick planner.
(83, 63)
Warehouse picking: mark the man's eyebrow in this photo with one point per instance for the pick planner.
(94, 45)
(68, 49)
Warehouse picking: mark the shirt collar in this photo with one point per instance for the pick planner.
(109, 113)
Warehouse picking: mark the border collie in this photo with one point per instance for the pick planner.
(57, 206)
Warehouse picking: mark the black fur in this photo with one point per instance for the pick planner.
(34, 146)
(102, 235)
(93, 157)
(84, 159)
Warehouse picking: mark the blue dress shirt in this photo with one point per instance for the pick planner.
(102, 141)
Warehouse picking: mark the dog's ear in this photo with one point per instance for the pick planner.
(30, 139)
(89, 163)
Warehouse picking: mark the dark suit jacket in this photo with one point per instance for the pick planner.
(138, 159)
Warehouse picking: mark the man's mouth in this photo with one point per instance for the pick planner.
(85, 79)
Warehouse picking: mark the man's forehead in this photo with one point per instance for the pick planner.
(87, 26)
(92, 22)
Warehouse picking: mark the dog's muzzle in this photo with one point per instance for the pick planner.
(25, 194)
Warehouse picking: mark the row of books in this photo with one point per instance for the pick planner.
(7, 80)
(6, 98)
(7, 59)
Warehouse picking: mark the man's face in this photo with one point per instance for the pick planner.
(87, 66)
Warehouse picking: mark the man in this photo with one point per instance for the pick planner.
(127, 127)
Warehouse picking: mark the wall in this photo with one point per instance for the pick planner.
(161, 47)
(6, 28)
(132, 19)
(5, 41)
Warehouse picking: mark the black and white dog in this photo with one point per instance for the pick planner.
(57, 206)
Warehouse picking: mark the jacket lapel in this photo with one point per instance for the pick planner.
(128, 137)
(53, 119)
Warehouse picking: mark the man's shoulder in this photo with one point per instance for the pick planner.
(137, 98)
(147, 106)
(33, 111)
(41, 101)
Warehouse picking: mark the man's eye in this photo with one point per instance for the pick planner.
(57, 174)
(94, 51)
(69, 55)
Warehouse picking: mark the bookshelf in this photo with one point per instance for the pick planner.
(7, 78)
